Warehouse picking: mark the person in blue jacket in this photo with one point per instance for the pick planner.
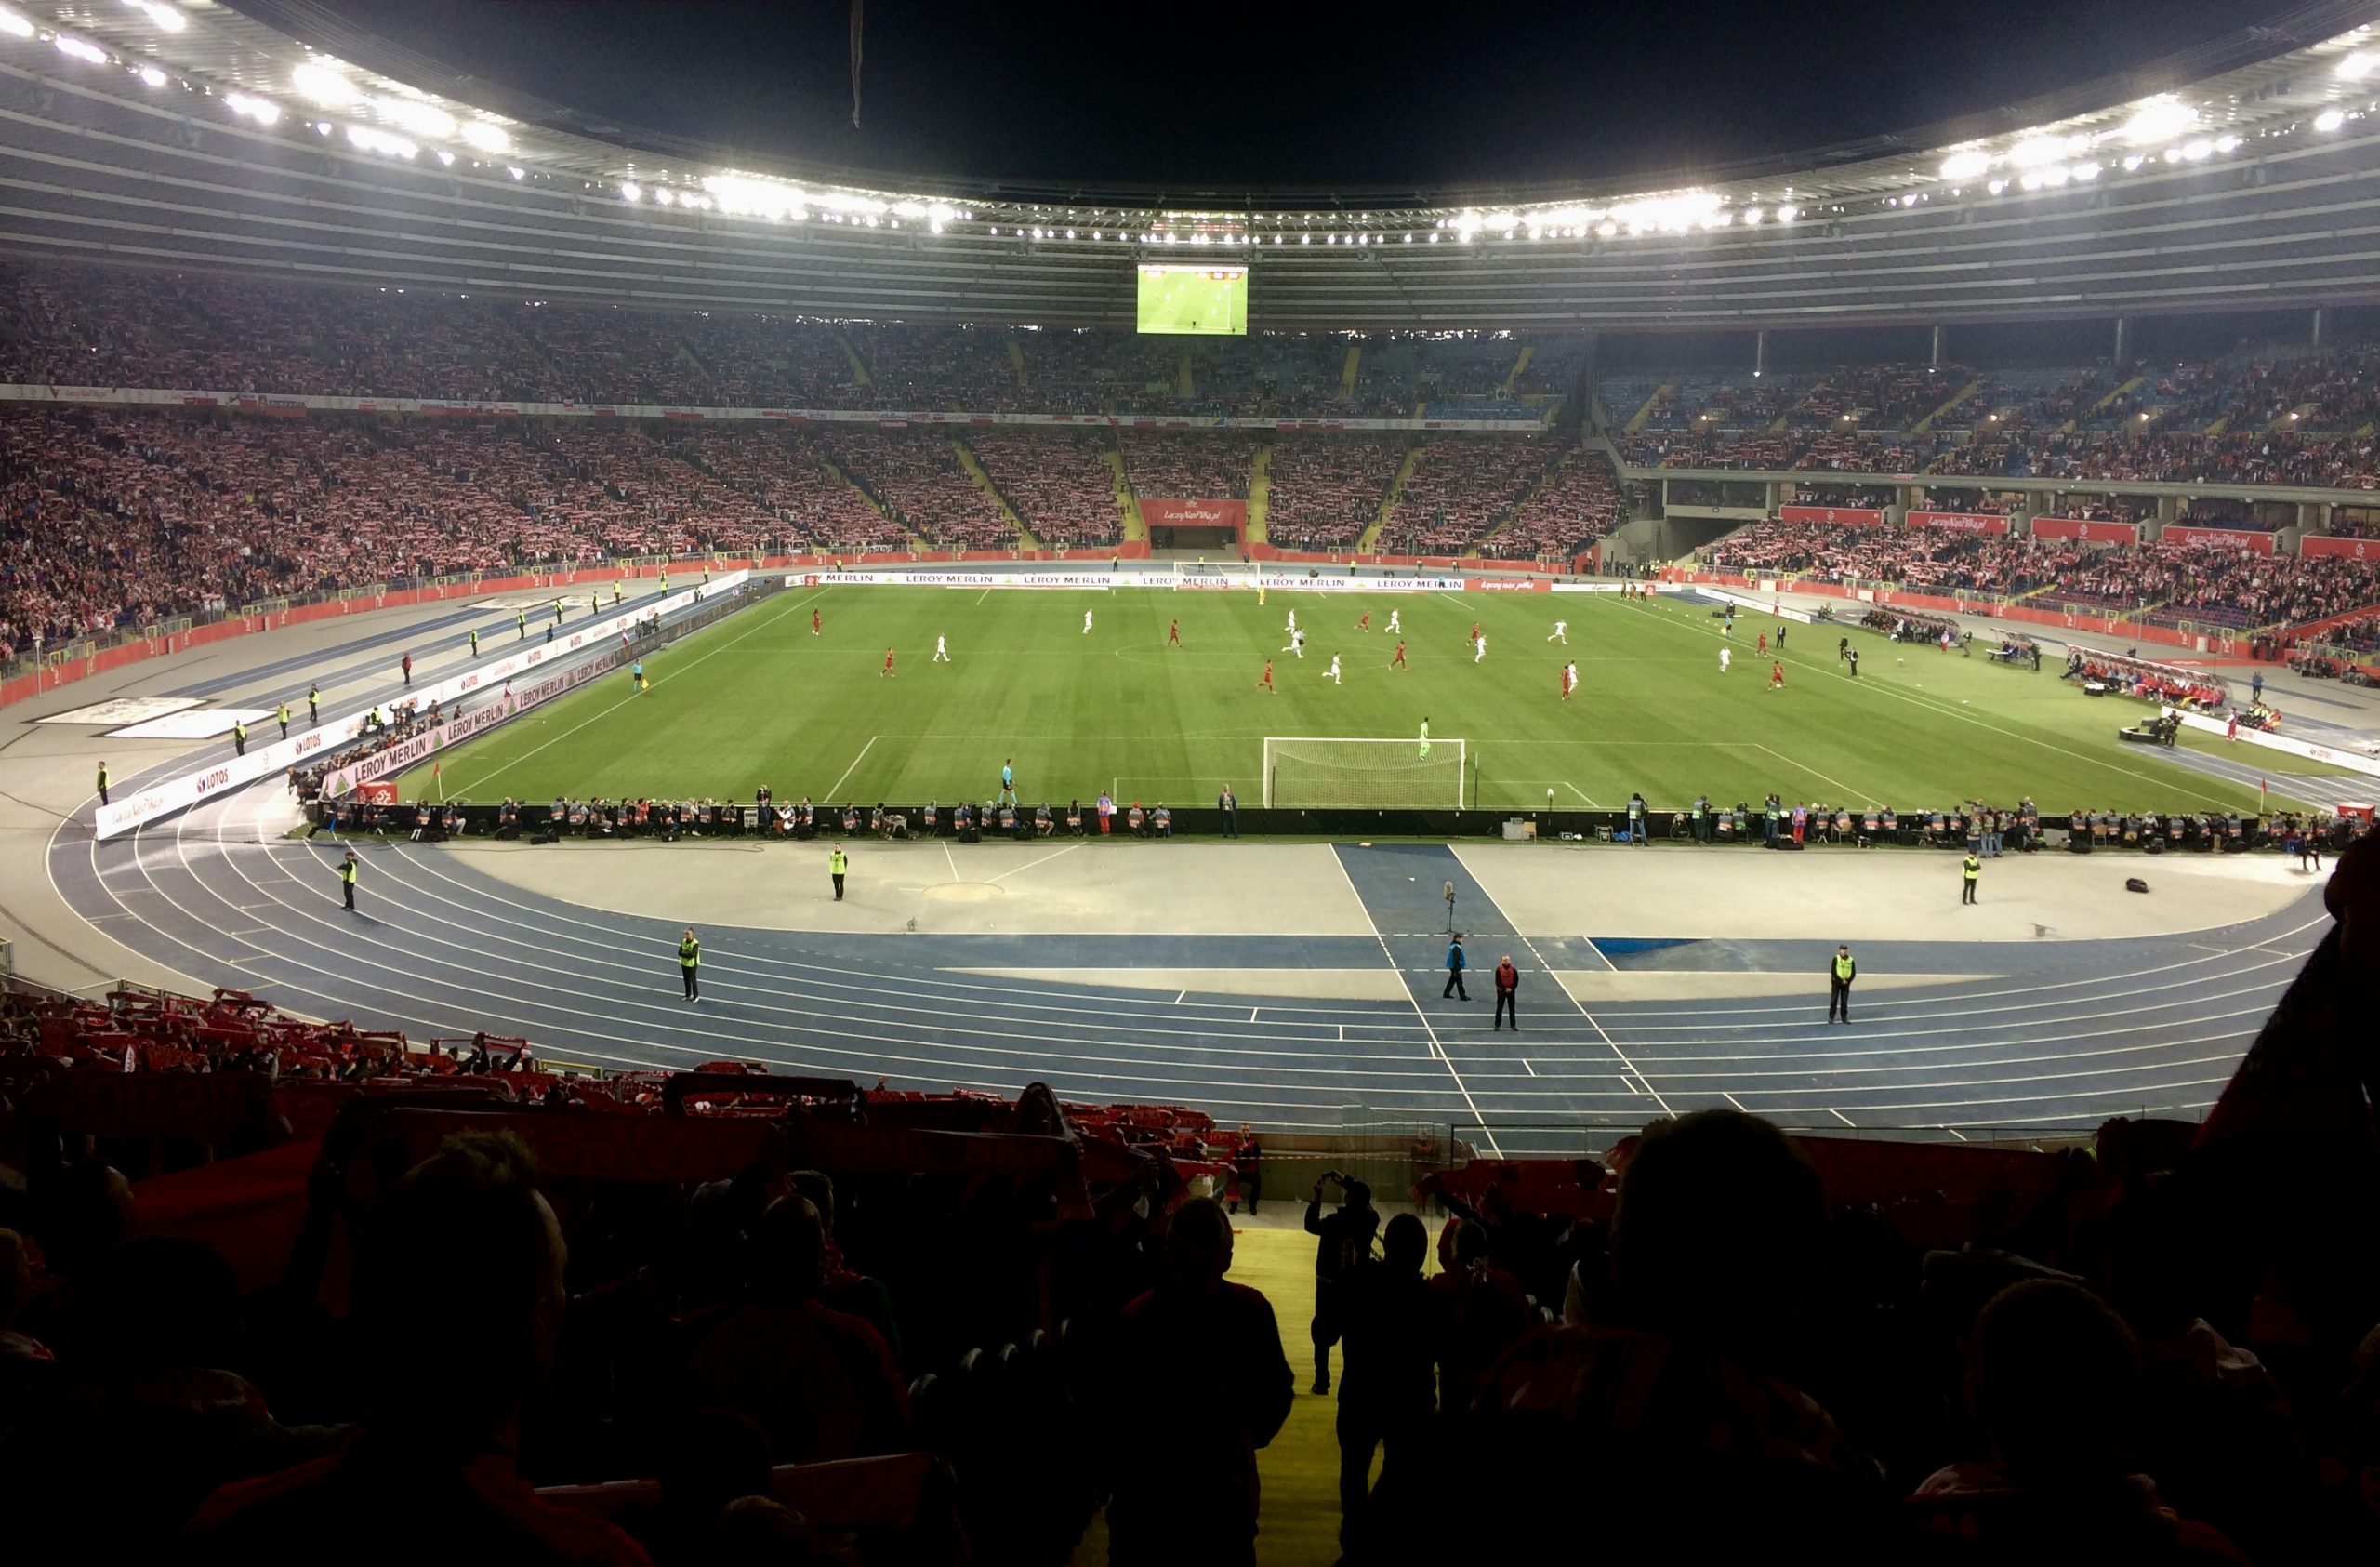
(1455, 965)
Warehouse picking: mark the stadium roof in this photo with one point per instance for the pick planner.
(2239, 174)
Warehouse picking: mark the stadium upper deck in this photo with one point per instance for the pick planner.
(211, 137)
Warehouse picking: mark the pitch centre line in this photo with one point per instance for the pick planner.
(837, 787)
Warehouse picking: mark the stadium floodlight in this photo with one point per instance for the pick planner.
(2158, 119)
(632, 190)
(844, 201)
(1787, 213)
(1998, 185)
(257, 109)
(740, 196)
(2329, 119)
(1966, 165)
(516, 171)
(166, 17)
(2134, 162)
(2226, 143)
(2197, 151)
(2086, 171)
(487, 136)
(78, 50)
(374, 140)
(322, 85)
(153, 76)
(2035, 150)
(420, 119)
(445, 157)
(15, 25)
(2356, 66)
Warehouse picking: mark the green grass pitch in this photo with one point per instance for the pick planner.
(759, 699)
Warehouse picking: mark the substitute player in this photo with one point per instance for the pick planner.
(1332, 675)
(1561, 632)
(1266, 683)
(1398, 662)
(941, 650)
(886, 672)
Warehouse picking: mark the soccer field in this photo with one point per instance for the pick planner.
(760, 700)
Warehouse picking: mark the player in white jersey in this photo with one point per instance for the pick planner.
(1479, 648)
(941, 651)
(1569, 680)
(1086, 623)
(1561, 632)
(1333, 675)
(1292, 627)
(1396, 626)
(1297, 644)
(1726, 655)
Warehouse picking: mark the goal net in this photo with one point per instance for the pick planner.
(1312, 773)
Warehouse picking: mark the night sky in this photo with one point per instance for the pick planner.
(1203, 93)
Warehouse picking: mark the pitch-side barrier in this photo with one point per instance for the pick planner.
(168, 795)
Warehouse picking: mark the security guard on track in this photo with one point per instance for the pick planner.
(1968, 871)
(1841, 971)
(347, 879)
(690, 964)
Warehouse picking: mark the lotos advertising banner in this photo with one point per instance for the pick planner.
(1844, 516)
(2315, 546)
(1231, 514)
(2247, 541)
(2083, 530)
(1960, 522)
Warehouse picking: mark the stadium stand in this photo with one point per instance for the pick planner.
(634, 1318)
(915, 475)
(1181, 467)
(1327, 492)
(1060, 485)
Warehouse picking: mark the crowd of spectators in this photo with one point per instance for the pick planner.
(922, 484)
(1578, 503)
(1060, 485)
(119, 327)
(1173, 466)
(1460, 489)
(1327, 491)
(1933, 559)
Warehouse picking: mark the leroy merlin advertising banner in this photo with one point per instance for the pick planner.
(508, 703)
(168, 795)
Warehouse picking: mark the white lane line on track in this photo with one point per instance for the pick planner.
(1733, 1100)
(1554, 975)
(1841, 1117)
(1443, 1058)
(2137, 1097)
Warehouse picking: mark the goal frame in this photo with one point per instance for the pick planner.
(1407, 743)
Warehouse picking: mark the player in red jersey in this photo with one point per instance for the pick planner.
(813, 622)
(1764, 645)
(1267, 681)
(1365, 623)
(1398, 662)
(888, 665)
(1566, 671)
(1474, 633)
(1173, 634)
(1775, 675)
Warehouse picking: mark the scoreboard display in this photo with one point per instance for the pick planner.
(1196, 301)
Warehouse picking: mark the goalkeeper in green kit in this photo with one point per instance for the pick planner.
(1425, 737)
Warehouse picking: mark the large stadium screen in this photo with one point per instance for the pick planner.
(1203, 301)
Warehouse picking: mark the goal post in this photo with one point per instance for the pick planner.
(1312, 772)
